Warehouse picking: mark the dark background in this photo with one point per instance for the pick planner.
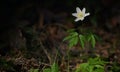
(19, 17)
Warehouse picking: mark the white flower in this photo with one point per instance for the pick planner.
(80, 15)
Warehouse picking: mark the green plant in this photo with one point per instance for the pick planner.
(54, 68)
(34, 70)
(84, 36)
(74, 37)
(115, 67)
(80, 35)
(92, 65)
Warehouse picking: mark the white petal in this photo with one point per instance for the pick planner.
(82, 19)
(83, 10)
(77, 19)
(78, 9)
(74, 14)
(87, 14)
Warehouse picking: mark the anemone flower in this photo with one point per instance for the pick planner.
(80, 15)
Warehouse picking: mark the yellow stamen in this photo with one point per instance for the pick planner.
(80, 15)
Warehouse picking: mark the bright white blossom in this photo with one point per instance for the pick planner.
(80, 15)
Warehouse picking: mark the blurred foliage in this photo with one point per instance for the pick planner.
(6, 65)
(92, 65)
(34, 70)
(54, 68)
(115, 67)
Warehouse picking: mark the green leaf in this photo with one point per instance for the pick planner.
(82, 67)
(91, 68)
(70, 36)
(99, 66)
(73, 41)
(92, 65)
(99, 70)
(54, 68)
(82, 40)
(93, 41)
(96, 61)
(67, 38)
(47, 70)
(88, 36)
(78, 70)
(74, 34)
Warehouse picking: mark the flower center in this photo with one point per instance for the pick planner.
(80, 15)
